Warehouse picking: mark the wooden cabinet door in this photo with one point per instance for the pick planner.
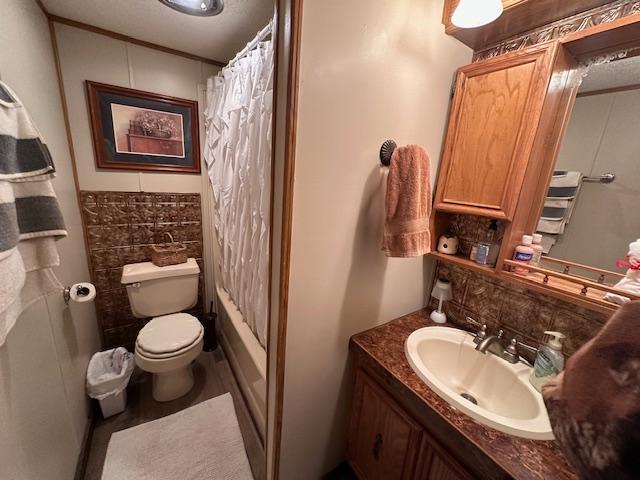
(383, 440)
(436, 464)
(494, 118)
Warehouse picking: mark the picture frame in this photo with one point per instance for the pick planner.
(138, 130)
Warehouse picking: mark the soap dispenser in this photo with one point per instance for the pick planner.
(549, 362)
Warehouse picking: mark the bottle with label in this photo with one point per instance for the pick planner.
(474, 252)
(486, 252)
(523, 254)
(537, 249)
(549, 362)
(480, 253)
(494, 246)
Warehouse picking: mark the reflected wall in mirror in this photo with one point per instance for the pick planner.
(590, 217)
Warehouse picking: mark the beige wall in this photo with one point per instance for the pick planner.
(43, 406)
(90, 56)
(601, 138)
(370, 70)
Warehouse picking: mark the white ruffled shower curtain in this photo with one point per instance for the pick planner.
(238, 125)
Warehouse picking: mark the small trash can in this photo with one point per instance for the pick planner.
(108, 375)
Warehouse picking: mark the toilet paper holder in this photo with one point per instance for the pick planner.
(81, 291)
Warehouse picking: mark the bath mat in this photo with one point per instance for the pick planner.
(202, 442)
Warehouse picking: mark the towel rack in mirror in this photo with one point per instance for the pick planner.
(608, 177)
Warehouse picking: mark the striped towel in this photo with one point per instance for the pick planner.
(30, 217)
(558, 206)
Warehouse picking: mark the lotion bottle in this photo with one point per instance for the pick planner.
(537, 249)
(524, 254)
(549, 362)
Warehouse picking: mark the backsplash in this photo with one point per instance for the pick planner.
(471, 229)
(119, 228)
(519, 311)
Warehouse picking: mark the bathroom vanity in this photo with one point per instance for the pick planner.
(520, 118)
(523, 118)
(401, 429)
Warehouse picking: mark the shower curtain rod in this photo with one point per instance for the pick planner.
(262, 35)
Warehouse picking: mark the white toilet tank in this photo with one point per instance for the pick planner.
(155, 291)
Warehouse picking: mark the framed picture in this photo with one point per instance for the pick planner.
(136, 130)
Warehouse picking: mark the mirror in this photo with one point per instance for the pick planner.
(591, 211)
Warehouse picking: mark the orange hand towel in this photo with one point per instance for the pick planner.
(408, 203)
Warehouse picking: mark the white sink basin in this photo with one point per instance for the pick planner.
(446, 360)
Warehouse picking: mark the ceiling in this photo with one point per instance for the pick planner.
(620, 73)
(217, 38)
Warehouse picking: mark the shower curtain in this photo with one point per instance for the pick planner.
(238, 125)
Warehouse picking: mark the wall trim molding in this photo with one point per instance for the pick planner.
(126, 38)
(290, 134)
(561, 28)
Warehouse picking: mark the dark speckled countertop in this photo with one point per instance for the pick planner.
(521, 458)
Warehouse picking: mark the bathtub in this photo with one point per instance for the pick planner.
(248, 359)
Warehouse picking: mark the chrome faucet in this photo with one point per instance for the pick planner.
(492, 343)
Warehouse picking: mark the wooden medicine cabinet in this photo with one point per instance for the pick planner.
(496, 110)
(508, 120)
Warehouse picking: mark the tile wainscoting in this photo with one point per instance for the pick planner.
(119, 228)
(514, 308)
(471, 229)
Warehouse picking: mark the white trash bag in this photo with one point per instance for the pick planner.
(109, 372)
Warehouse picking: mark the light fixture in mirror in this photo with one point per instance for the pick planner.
(198, 8)
(475, 13)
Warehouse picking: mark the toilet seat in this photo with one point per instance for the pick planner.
(159, 356)
(169, 335)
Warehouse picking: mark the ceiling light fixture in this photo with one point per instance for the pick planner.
(199, 8)
(475, 13)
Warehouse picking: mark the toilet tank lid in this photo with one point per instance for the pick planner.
(139, 272)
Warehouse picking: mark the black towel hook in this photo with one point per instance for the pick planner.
(386, 150)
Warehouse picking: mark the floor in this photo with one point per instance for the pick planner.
(213, 377)
(341, 472)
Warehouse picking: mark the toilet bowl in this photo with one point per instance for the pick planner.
(168, 344)
(166, 347)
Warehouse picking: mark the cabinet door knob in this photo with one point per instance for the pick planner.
(377, 445)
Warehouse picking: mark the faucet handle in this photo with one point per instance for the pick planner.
(473, 322)
(481, 335)
(483, 331)
(511, 352)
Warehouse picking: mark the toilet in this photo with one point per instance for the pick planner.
(168, 344)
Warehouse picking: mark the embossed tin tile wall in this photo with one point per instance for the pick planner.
(607, 13)
(471, 229)
(519, 311)
(119, 228)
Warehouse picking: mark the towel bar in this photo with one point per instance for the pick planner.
(608, 177)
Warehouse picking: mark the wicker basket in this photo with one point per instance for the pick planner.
(169, 253)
